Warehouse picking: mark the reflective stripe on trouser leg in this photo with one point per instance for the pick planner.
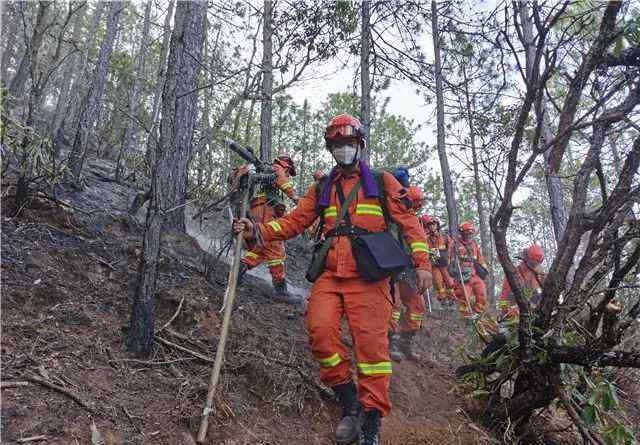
(415, 308)
(368, 310)
(323, 320)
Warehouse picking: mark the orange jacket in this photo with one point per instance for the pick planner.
(468, 252)
(532, 280)
(364, 212)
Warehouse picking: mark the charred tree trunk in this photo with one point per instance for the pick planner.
(91, 102)
(442, 151)
(67, 77)
(134, 97)
(267, 84)
(157, 96)
(365, 81)
(169, 177)
(81, 73)
(33, 49)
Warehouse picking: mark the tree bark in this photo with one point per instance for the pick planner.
(32, 47)
(267, 84)
(81, 73)
(67, 77)
(10, 30)
(134, 97)
(485, 236)
(559, 213)
(169, 177)
(304, 148)
(365, 81)
(157, 96)
(452, 211)
(91, 103)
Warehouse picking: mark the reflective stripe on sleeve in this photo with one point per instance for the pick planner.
(331, 361)
(415, 317)
(418, 246)
(275, 225)
(252, 255)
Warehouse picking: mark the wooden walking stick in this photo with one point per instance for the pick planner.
(226, 321)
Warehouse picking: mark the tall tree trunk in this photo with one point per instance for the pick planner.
(91, 103)
(169, 177)
(305, 147)
(134, 97)
(485, 236)
(81, 73)
(559, 212)
(267, 84)
(10, 30)
(32, 47)
(442, 151)
(365, 82)
(157, 96)
(67, 76)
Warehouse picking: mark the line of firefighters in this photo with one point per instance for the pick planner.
(382, 331)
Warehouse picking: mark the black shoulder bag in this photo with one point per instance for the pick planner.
(378, 255)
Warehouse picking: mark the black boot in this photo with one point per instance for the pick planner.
(407, 346)
(394, 348)
(282, 295)
(370, 434)
(349, 426)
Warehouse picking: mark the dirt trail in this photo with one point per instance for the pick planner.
(67, 281)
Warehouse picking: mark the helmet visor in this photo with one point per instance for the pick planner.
(341, 131)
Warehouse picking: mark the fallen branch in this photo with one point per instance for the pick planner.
(588, 436)
(12, 384)
(76, 398)
(32, 439)
(173, 317)
(183, 349)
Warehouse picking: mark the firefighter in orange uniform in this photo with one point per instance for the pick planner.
(267, 205)
(340, 290)
(532, 277)
(404, 325)
(469, 286)
(439, 254)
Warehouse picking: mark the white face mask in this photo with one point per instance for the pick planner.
(345, 154)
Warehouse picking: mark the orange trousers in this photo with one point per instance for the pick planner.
(272, 252)
(367, 307)
(411, 318)
(443, 284)
(476, 293)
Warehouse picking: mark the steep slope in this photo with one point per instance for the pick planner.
(66, 287)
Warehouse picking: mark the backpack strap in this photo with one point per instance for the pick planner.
(378, 176)
(320, 185)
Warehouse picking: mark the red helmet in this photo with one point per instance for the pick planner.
(426, 220)
(318, 175)
(343, 126)
(466, 227)
(535, 253)
(416, 195)
(286, 162)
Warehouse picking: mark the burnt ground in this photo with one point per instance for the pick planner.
(67, 280)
